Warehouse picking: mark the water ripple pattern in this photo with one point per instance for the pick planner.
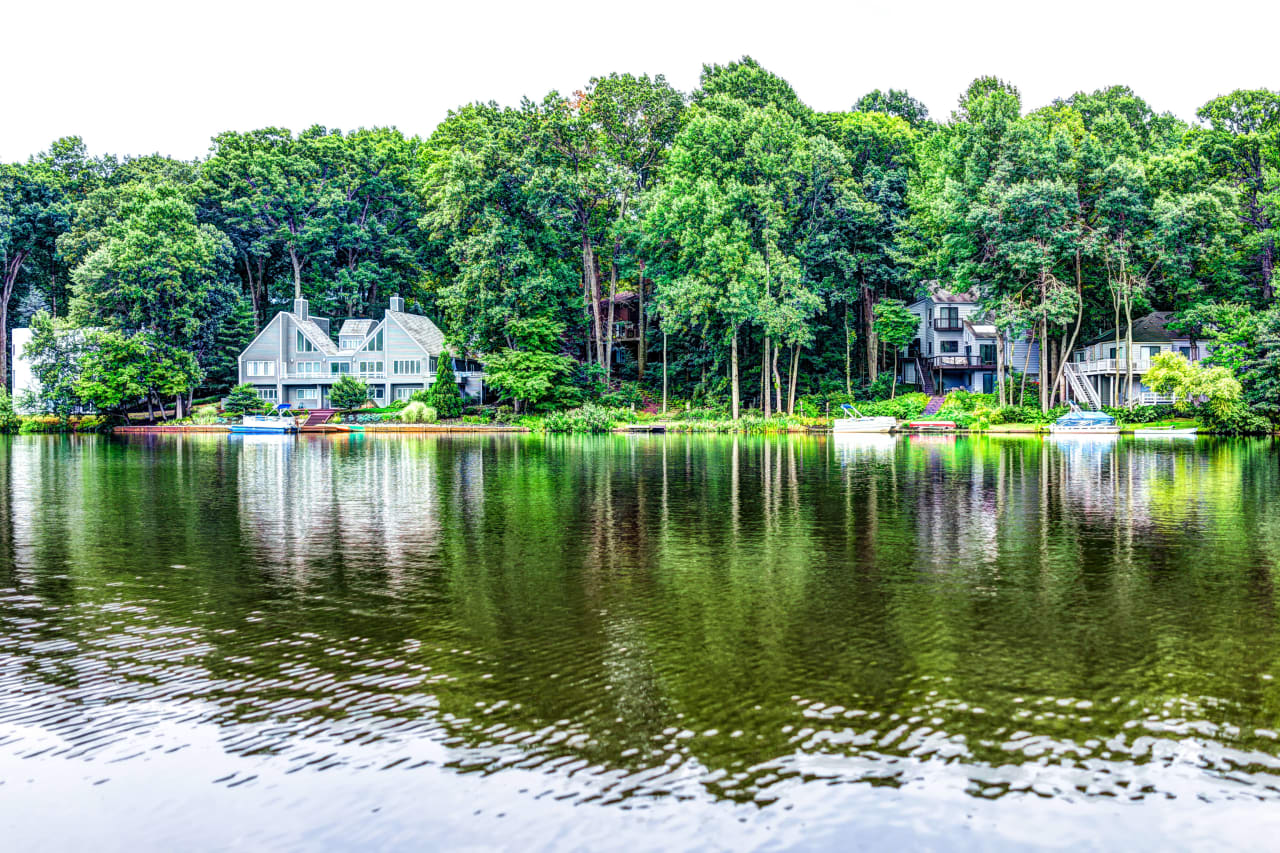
(331, 640)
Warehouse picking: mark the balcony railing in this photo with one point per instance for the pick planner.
(948, 324)
(960, 362)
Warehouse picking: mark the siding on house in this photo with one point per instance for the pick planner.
(411, 351)
(961, 337)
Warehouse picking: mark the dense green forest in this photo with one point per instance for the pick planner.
(753, 234)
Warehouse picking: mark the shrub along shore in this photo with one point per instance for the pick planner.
(973, 413)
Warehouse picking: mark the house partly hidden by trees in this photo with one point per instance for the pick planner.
(294, 358)
(959, 348)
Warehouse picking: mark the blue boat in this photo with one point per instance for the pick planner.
(281, 423)
(1077, 421)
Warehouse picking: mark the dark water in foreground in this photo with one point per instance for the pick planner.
(638, 643)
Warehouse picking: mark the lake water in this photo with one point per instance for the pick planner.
(649, 642)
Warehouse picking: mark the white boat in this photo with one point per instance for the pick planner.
(278, 424)
(1077, 422)
(857, 422)
(1166, 432)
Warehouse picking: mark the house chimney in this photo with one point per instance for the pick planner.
(300, 308)
(397, 304)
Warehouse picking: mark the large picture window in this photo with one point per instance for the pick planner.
(261, 368)
(339, 367)
(370, 368)
(411, 367)
(304, 343)
(949, 346)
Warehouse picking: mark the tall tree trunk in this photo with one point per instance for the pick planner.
(766, 399)
(869, 333)
(1075, 332)
(777, 381)
(297, 272)
(642, 349)
(1128, 345)
(613, 292)
(664, 371)
(733, 360)
(11, 270)
(848, 353)
(1115, 383)
(795, 376)
(1046, 364)
(593, 293)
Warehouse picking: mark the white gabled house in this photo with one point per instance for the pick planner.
(295, 360)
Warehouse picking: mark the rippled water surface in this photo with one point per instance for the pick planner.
(638, 643)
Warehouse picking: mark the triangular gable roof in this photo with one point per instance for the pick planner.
(314, 333)
(355, 328)
(421, 330)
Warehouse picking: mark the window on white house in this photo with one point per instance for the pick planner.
(950, 346)
(374, 345)
(411, 367)
(348, 343)
(378, 392)
(261, 368)
(339, 367)
(309, 367)
(304, 343)
(267, 394)
(306, 394)
(369, 368)
(1150, 352)
(405, 393)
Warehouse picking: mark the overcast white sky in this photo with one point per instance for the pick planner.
(137, 77)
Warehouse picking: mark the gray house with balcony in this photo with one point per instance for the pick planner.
(295, 360)
(956, 346)
(1099, 370)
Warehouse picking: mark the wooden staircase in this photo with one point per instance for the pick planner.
(319, 416)
(926, 376)
(1081, 388)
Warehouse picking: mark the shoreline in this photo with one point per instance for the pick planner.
(630, 429)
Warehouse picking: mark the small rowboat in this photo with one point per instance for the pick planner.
(1166, 432)
(932, 426)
